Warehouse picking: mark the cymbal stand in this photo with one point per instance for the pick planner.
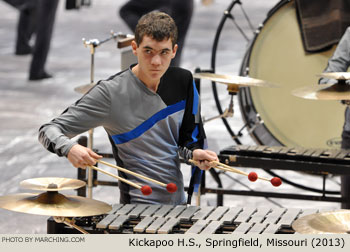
(227, 16)
(70, 223)
(255, 124)
(227, 113)
(93, 44)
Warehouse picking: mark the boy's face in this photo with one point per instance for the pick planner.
(154, 57)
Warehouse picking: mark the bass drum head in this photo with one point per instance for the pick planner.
(276, 54)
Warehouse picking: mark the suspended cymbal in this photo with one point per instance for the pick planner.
(336, 75)
(234, 80)
(334, 222)
(52, 184)
(337, 91)
(53, 204)
(83, 89)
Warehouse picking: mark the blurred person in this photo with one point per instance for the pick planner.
(25, 25)
(45, 19)
(37, 18)
(180, 10)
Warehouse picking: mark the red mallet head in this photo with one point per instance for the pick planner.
(252, 176)
(276, 181)
(171, 187)
(146, 190)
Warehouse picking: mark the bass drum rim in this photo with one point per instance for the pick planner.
(261, 133)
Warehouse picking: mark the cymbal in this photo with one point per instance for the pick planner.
(234, 80)
(53, 204)
(83, 89)
(333, 222)
(52, 184)
(336, 75)
(337, 91)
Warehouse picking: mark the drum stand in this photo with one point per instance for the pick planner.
(255, 124)
(227, 113)
(123, 40)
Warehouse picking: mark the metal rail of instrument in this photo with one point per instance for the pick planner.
(318, 161)
(334, 161)
(181, 219)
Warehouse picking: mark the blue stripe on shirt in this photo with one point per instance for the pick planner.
(195, 100)
(194, 135)
(146, 125)
(195, 109)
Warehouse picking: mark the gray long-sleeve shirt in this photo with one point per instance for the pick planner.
(146, 128)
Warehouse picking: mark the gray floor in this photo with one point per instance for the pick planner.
(25, 105)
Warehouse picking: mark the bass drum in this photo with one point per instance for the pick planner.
(274, 115)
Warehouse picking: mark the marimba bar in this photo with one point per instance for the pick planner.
(180, 219)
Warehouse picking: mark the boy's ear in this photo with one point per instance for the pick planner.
(134, 47)
(174, 51)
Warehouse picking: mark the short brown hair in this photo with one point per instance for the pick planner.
(157, 25)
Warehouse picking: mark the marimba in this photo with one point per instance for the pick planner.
(182, 219)
(334, 161)
(313, 160)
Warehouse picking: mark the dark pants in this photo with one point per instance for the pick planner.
(46, 12)
(36, 16)
(26, 24)
(180, 10)
(345, 179)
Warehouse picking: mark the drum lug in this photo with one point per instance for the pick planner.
(228, 14)
(258, 121)
(258, 30)
(246, 71)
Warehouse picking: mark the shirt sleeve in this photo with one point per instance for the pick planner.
(340, 60)
(90, 111)
(192, 134)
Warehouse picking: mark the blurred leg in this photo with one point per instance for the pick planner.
(133, 10)
(46, 12)
(26, 24)
(25, 29)
(180, 10)
(182, 14)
